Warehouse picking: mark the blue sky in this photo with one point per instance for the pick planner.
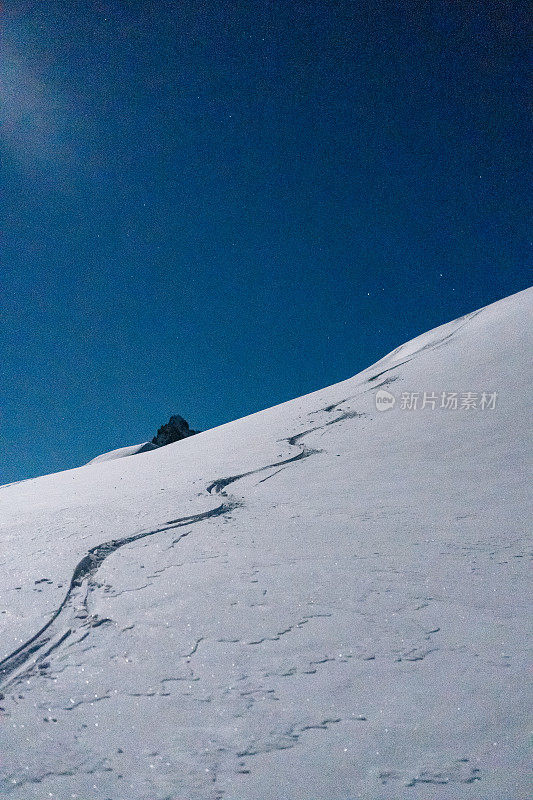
(210, 208)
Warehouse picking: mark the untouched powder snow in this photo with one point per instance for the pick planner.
(321, 601)
(122, 452)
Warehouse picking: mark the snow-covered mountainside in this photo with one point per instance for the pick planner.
(174, 431)
(321, 601)
(122, 452)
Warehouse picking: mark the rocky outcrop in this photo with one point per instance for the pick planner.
(176, 429)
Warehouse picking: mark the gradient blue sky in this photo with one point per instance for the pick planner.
(212, 207)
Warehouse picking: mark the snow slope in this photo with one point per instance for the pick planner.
(317, 602)
(122, 452)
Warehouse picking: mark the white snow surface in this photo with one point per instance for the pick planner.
(122, 452)
(323, 601)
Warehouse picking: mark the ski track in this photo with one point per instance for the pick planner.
(73, 615)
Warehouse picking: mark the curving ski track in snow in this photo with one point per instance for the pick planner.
(73, 612)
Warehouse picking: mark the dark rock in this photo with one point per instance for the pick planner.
(175, 430)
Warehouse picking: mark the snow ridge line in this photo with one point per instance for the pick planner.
(87, 567)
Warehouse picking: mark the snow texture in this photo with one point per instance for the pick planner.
(320, 601)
